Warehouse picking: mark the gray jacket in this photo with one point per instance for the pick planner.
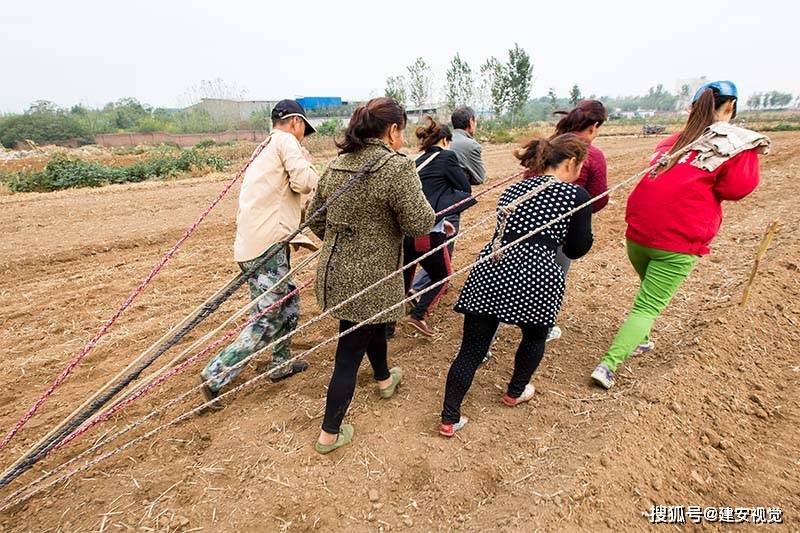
(468, 151)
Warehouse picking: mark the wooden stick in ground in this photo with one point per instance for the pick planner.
(119, 375)
(772, 229)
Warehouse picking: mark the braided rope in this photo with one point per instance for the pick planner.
(138, 393)
(31, 457)
(8, 501)
(505, 212)
(43, 450)
(128, 301)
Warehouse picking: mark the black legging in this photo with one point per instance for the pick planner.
(436, 265)
(369, 339)
(476, 340)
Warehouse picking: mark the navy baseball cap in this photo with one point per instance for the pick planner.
(292, 108)
(724, 87)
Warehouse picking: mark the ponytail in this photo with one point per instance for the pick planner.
(431, 133)
(701, 116)
(540, 154)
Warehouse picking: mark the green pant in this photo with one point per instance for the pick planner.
(273, 324)
(662, 273)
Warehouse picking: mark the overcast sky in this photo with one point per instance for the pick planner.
(97, 51)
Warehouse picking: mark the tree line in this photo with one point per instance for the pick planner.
(770, 100)
(502, 86)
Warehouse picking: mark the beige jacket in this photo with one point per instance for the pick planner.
(270, 201)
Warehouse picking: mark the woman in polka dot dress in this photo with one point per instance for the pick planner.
(524, 284)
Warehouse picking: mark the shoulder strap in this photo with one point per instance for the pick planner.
(425, 163)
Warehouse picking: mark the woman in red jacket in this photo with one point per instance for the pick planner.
(673, 217)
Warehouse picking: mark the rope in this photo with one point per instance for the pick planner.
(79, 430)
(104, 416)
(31, 458)
(505, 212)
(246, 360)
(128, 301)
(53, 444)
(179, 368)
(8, 501)
(39, 453)
(139, 393)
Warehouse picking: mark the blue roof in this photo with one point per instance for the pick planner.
(316, 102)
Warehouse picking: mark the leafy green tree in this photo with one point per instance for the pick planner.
(396, 88)
(495, 72)
(575, 95)
(778, 99)
(43, 107)
(460, 83)
(486, 81)
(125, 113)
(518, 73)
(41, 127)
(419, 82)
(754, 102)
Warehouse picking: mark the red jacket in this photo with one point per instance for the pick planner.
(681, 209)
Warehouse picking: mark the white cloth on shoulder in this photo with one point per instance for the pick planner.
(728, 141)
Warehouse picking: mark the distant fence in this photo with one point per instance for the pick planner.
(189, 139)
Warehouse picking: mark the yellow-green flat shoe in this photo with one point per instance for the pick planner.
(345, 436)
(397, 376)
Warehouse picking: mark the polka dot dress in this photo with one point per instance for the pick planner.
(526, 286)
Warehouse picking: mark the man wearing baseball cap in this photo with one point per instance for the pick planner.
(270, 208)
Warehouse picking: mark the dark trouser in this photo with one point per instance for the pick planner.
(563, 261)
(369, 339)
(436, 265)
(477, 337)
(422, 280)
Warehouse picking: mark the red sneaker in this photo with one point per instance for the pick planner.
(448, 430)
(526, 395)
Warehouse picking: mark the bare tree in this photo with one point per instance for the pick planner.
(551, 95)
(216, 88)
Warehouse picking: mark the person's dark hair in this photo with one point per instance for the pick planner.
(371, 120)
(701, 116)
(539, 154)
(461, 117)
(431, 132)
(585, 114)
